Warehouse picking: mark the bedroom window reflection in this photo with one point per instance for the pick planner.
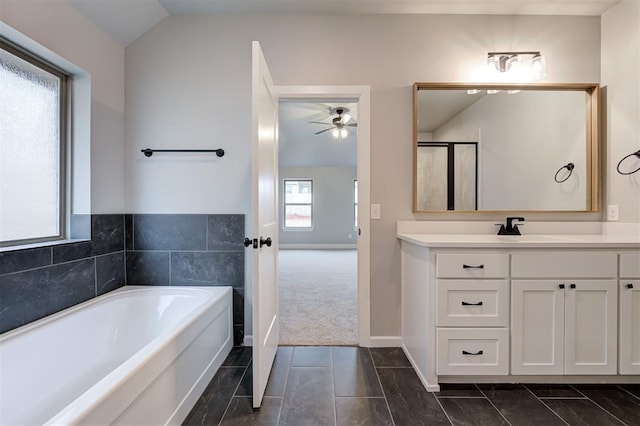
(298, 203)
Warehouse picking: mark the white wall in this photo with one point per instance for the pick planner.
(188, 85)
(621, 124)
(62, 29)
(518, 154)
(333, 209)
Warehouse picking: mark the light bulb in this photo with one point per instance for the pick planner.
(343, 133)
(335, 133)
(492, 91)
(346, 118)
(492, 61)
(473, 91)
(538, 67)
(512, 92)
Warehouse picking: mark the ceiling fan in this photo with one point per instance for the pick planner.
(338, 124)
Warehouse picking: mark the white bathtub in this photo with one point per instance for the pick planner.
(138, 355)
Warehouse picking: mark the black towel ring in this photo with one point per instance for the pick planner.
(569, 167)
(637, 154)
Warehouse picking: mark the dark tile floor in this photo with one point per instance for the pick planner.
(321, 385)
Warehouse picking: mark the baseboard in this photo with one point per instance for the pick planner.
(375, 341)
(385, 341)
(318, 246)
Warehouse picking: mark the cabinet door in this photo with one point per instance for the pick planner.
(591, 327)
(537, 327)
(629, 327)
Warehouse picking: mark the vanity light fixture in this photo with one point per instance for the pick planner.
(529, 64)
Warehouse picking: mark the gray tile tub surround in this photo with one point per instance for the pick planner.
(38, 282)
(188, 250)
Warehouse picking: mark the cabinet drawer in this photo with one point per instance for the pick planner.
(472, 265)
(473, 351)
(473, 303)
(630, 265)
(564, 265)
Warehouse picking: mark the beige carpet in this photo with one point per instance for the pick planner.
(318, 297)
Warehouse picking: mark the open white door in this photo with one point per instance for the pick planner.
(266, 328)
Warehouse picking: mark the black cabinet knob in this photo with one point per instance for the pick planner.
(561, 286)
(629, 285)
(572, 285)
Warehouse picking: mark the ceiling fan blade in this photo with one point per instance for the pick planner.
(352, 124)
(320, 122)
(322, 131)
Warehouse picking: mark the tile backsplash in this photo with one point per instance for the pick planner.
(136, 249)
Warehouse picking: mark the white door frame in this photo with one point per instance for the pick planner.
(361, 94)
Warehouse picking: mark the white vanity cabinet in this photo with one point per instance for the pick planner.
(566, 324)
(563, 327)
(629, 313)
(545, 309)
(472, 313)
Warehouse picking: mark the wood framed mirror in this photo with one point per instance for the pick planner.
(505, 147)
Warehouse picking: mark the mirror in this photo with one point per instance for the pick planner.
(497, 147)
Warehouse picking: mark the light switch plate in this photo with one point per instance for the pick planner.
(612, 212)
(375, 211)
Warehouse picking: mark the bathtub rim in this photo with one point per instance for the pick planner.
(98, 300)
(110, 383)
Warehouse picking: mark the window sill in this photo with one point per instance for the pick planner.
(42, 244)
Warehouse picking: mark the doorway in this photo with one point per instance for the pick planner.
(328, 258)
(317, 260)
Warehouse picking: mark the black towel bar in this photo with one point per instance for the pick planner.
(148, 152)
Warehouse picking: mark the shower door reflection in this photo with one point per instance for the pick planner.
(447, 176)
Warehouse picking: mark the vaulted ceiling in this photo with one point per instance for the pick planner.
(126, 20)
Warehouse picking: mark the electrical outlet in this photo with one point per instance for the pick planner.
(375, 211)
(612, 212)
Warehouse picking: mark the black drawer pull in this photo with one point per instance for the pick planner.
(472, 266)
(572, 285)
(471, 353)
(629, 285)
(561, 286)
(471, 304)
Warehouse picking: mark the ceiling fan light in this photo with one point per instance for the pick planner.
(343, 133)
(335, 133)
(346, 118)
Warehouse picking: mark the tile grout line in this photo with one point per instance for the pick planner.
(442, 408)
(493, 405)
(598, 405)
(629, 392)
(333, 386)
(286, 383)
(545, 404)
(386, 401)
(233, 393)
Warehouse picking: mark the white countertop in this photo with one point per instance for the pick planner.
(522, 241)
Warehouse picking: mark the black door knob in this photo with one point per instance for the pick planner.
(247, 242)
(266, 242)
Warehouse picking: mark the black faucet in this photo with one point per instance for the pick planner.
(510, 228)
